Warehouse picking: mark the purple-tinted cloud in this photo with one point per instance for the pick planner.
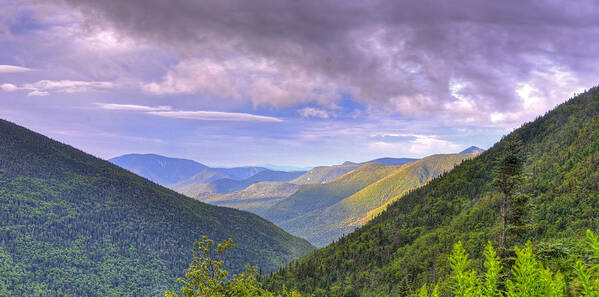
(203, 115)
(13, 69)
(462, 58)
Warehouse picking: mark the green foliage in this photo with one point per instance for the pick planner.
(465, 282)
(490, 285)
(424, 292)
(531, 279)
(588, 273)
(206, 276)
(528, 278)
(513, 205)
(74, 225)
(408, 244)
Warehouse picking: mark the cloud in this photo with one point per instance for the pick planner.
(44, 87)
(419, 58)
(415, 144)
(132, 107)
(12, 69)
(214, 116)
(168, 112)
(68, 86)
(310, 112)
(37, 93)
(8, 87)
(393, 137)
(262, 80)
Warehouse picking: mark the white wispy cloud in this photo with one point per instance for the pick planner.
(13, 69)
(68, 86)
(37, 93)
(214, 116)
(169, 112)
(132, 107)
(310, 112)
(8, 87)
(415, 144)
(44, 87)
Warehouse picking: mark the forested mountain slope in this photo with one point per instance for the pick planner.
(408, 244)
(324, 225)
(74, 225)
(256, 198)
(325, 174)
(318, 196)
(203, 177)
(228, 185)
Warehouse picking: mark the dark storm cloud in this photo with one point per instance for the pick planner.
(466, 57)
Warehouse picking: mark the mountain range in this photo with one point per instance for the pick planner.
(320, 204)
(169, 171)
(227, 185)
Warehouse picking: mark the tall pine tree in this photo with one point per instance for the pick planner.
(513, 204)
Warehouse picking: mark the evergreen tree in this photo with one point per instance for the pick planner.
(513, 205)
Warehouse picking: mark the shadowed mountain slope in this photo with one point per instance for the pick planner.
(75, 225)
(180, 174)
(159, 169)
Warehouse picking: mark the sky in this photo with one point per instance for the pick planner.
(300, 83)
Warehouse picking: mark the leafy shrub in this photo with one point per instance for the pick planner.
(526, 278)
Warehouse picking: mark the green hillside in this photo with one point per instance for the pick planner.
(324, 174)
(228, 185)
(324, 225)
(408, 244)
(255, 198)
(203, 177)
(75, 225)
(318, 196)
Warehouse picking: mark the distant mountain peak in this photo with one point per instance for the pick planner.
(472, 149)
